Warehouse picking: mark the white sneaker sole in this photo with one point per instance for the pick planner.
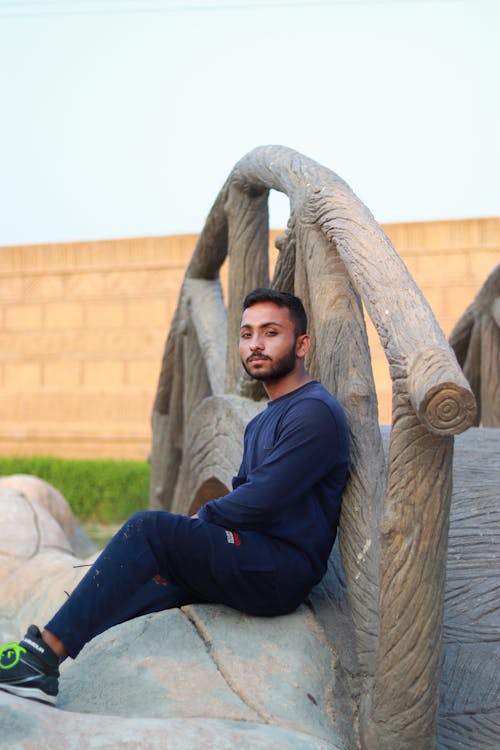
(33, 693)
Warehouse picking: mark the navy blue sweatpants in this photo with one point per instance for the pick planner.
(199, 562)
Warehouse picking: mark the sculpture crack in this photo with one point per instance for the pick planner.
(198, 626)
(36, 522)
(483, 711)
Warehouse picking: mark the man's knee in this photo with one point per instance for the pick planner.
(148, 522)
(138, 524)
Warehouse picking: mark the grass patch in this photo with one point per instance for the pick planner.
(99, 491)
(100, 533)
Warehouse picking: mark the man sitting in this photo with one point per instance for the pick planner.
(260, 549)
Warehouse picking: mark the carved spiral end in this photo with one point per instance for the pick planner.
(448, 409)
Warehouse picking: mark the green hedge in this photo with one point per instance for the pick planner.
(101, 491)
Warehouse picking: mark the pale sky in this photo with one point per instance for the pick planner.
(123, 118)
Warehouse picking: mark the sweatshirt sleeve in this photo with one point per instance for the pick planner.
(311, 441)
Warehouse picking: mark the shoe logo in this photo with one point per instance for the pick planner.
(10, 655)
(34, 645)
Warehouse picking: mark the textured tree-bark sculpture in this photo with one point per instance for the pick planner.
(476, 341)
(394, 524)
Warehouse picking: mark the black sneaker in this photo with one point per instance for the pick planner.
(30, 668)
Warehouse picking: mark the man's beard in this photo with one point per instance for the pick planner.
(278, 370)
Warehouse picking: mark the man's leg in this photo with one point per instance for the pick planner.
(153, 596)
(119, 585)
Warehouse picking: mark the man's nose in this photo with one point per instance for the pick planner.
(256, 343)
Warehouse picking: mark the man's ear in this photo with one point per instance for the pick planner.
(302, 345)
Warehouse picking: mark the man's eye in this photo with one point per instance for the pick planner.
(271, 333)
(244, 335)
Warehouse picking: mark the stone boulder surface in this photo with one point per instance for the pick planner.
(46, 501)
(35, 727)
(211, 661)
(43, 552)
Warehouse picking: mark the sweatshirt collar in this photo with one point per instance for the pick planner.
(291, 394)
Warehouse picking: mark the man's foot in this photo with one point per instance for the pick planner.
(30, 668)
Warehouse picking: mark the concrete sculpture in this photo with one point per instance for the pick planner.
(394, 524)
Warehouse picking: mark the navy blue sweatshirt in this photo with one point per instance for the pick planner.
(291, 478)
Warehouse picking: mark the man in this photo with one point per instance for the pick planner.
(260, 549)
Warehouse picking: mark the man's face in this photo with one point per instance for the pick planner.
(268, 344)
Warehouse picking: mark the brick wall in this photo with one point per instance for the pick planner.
(83, 326)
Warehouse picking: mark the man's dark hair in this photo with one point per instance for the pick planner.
(282, 299)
